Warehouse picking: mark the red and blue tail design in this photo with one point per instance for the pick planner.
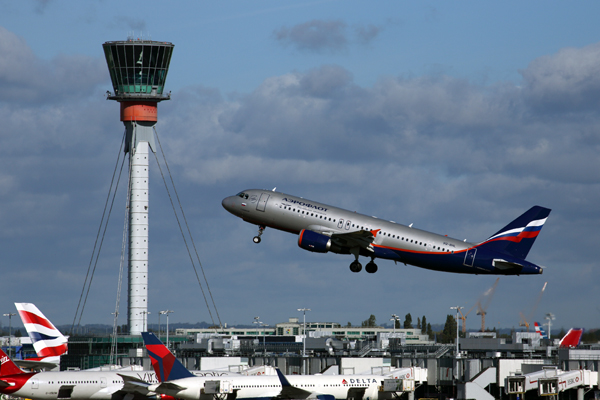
(540, 330)
(165, 364)
(47, 340)
(516, 238)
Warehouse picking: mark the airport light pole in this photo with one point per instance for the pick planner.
(457, 308)
(394, 318)
(304, 310)
(260, 324)
(165, 312)
(145, 327)
(9, 315)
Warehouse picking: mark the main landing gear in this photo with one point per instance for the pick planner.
(256, 239)
(356, 266)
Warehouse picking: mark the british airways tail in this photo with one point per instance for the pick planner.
(7, 366)
(165, 364)
(516, 238)
(540, 330)
(47, 341)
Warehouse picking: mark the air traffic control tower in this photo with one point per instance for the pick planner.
(138, 70)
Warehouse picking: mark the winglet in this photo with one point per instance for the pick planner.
(165, 364)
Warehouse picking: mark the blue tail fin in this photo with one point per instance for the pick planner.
(516, 238)
(166, 366)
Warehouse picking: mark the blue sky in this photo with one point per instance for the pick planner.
(456, 117)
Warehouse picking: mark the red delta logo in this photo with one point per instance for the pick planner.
(344, 382)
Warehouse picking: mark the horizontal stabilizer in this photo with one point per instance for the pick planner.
(507, 265)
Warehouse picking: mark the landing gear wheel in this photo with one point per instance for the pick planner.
(261, 229)
(371, 267)
(355, 266)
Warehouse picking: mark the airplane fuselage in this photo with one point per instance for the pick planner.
(78, 385)
(389, 240)
(325, 387)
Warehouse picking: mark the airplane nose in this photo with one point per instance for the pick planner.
(227, 203)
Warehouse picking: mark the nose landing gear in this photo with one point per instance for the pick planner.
(256, 239)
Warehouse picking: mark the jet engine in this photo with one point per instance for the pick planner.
(313, 241)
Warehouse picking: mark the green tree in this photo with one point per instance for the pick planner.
(369, 323)
(424, 326)
(418, 323)
(349, 325)
(408, 321)
(449, 333)
(429, 331)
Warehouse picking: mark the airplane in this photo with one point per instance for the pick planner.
(48, 342)
(323, 228)
(82, 385)
(540, 330)
(177, 382)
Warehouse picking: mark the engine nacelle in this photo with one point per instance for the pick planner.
(313, 241)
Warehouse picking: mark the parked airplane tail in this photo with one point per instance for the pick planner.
(165, 364)
(7, 366)
(572, 338)
(540, 330)
(47, 340)
(516, 238)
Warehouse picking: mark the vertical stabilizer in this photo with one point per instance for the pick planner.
(165, 364)
(516, 238)
(47, 340)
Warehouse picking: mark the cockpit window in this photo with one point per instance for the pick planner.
(242, 195)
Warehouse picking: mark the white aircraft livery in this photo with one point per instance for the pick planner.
(323, 228)
(178, 383)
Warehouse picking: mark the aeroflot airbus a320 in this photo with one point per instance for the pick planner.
(323, 228)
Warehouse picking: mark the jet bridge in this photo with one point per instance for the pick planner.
(579, 379)
(517, 385)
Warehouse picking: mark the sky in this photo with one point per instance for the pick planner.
(453, 116)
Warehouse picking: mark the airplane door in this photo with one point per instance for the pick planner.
(341, 223)
(470, 257)
(348, 224)
(103, 382)
(262, 202)
(34, 383)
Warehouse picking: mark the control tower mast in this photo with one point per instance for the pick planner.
(138, 70)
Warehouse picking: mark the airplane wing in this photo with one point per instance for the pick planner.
(362, 239)
(167, 386)
(132, 384)
(35, 365)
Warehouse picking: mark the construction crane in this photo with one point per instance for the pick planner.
(484, 302)
(463, 318)
(526, 320)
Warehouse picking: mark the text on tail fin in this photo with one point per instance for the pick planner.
(166, 366)
(7, 366)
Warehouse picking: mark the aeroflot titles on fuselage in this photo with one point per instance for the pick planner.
(301, 203)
